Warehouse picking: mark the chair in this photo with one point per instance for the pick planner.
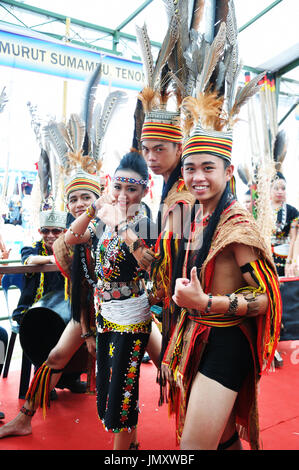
(8, 281)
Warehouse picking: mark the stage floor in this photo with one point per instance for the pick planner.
(72, 422)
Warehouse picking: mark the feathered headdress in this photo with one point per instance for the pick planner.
(46, 199)
(77, 144)
(171, 75)
(212, 110)
(153, 118)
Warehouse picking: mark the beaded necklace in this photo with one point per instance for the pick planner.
(110, 252)
(40, 289)
(279, 226)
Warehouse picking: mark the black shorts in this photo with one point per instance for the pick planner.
(227, 357)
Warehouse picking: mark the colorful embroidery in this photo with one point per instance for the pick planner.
(142, 327)
(130, 380)
(111, 349)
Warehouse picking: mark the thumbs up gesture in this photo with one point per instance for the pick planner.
(189, 293)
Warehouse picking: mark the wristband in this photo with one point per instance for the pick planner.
(209, 305)
(87, 335)
(90, 212)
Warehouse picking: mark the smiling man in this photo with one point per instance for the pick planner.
(227, 288)
(161, 144)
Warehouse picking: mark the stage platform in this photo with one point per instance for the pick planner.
(72, 422)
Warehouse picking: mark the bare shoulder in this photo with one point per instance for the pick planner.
(243, 253)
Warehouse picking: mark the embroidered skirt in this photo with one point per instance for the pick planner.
(119, 358)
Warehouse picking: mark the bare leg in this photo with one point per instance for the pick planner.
(209, 408)
(154, 345)
(123, 439)
(229, 431)
(68, 344)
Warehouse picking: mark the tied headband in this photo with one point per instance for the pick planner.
(123, 179)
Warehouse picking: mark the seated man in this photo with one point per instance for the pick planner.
(37, 285)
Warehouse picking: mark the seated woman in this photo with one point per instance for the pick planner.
(122, 256)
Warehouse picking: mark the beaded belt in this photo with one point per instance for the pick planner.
(117, 290)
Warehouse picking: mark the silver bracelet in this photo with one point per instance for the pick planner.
(233, 305)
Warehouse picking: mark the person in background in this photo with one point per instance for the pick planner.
(285, 232)
(247, 200)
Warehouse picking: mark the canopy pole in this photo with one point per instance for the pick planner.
(67, 38)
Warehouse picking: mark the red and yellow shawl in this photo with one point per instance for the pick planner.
(186, 345)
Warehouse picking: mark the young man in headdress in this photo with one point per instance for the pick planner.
(230, 306)
(161, 144)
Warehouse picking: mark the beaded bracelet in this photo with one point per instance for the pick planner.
(77, 235)
(88, 213)
(209, 305)
(87, 335)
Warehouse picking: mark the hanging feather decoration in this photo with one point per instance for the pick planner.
(3, 99)
(89, 97)
(54, 134)
(280, 149)
(44, 175)
(244, 174)
(243, 94)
